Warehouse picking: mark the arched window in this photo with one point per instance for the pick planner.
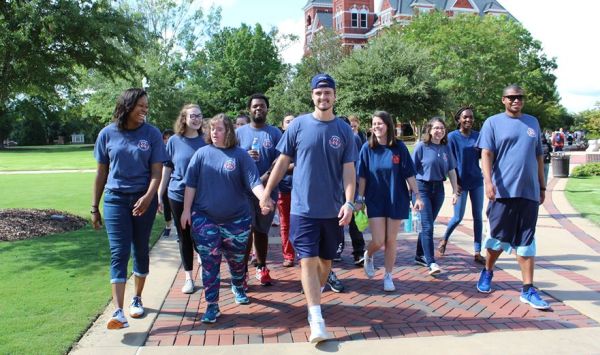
(354, 16)
(308, 21)
(364, 12)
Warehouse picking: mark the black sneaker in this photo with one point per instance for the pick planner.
(359, 260)
(166, 233)
(338, 257)
(420, 260)
(334, 283)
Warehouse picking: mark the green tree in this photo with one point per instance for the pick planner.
(235, 63)
(291, 93)
(476, 57)
(178, 29)
(41, 41)
(589, 120)
(389, 75)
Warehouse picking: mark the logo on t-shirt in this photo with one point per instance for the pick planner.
(396, 159)
(229, 165)
(335, 142)
(530, 132)
(445, 156)
(143, 145)
(267, 143)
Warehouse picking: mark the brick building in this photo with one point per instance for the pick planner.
(357, 20)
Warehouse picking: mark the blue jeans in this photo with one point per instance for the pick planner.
(476, 195)
(127, 234)
(432, 195)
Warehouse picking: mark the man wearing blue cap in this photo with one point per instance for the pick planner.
(323, 149)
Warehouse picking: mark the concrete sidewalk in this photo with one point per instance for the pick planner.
(444, 314)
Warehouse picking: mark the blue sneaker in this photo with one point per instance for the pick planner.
(484, 285)
(533, 299)
(240, 295)
(211, 313)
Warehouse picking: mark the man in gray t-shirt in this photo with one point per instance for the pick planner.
(323, 150)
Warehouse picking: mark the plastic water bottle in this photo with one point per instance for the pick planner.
(255, 146)
(416, 219)
(408, 224)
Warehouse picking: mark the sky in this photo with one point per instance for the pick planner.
(566, 28)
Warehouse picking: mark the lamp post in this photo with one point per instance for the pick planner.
(145, 87)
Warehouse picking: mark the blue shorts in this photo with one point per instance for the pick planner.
(512, 223)
(312, 237)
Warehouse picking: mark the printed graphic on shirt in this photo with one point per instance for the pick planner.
(143, 145)
(267, 143)
(229, 165)
(530, 132)
(335, 142)
(396, 159)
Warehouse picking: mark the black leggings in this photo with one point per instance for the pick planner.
(186, 244)
(167, 207)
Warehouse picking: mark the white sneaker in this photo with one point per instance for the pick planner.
(434, 269)
(118, 320)
(388, 282)
(188, 286)
(136, 309)
(368, 265)
(318, 332)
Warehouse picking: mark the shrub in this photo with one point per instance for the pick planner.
(591, 169)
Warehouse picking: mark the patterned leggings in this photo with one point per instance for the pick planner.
(214, 240)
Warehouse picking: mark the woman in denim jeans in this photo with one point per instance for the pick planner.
(130, 153)
(470, 179)
(433, 162)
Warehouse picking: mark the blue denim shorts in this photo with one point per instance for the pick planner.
(312, 237)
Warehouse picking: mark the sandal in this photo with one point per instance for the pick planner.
(442, 248)
(478, 258)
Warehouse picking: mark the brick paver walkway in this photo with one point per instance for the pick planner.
(421, 306)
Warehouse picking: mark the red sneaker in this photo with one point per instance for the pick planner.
(263, 276)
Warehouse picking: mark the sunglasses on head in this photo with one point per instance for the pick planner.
(514, 97)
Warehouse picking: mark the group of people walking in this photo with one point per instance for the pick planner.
(223, 185)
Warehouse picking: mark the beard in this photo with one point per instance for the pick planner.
(259, 119)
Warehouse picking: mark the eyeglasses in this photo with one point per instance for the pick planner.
(514, 97)
(194, 116)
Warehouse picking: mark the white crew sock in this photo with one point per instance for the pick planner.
(314, 313)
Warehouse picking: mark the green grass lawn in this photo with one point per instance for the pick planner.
(47, 158)
(584, 195)
(53, 287)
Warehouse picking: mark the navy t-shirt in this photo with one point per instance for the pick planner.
(223, 178)
(180, 150)
(268, 138)
(385, 170)
(467, 159)
(432, 161)
(516, 144)
(319, 150)
(129, 155)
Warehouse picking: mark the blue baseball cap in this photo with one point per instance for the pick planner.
(322, 81)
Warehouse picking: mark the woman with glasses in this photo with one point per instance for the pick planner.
(433, 162)
(470, 179)
(180, 149)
